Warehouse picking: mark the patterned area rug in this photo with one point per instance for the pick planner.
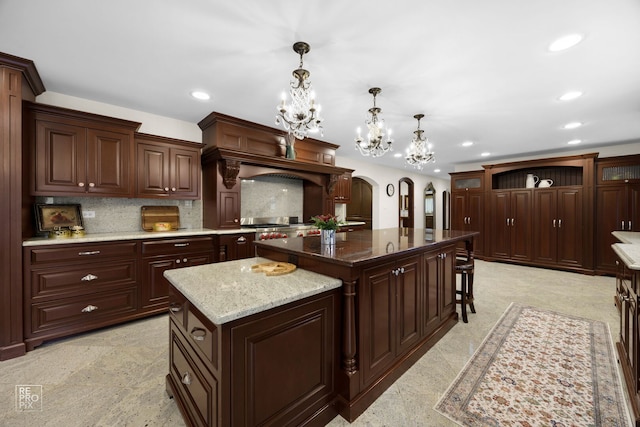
(539, 368)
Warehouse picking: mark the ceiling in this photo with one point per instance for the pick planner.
(480, 71)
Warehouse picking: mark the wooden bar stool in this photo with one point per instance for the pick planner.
(464, 267)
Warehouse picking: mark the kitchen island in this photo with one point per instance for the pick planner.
(247, 348)
(397, 300)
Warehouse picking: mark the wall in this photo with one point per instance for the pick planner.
(385, 210)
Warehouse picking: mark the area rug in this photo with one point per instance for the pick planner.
(539, 368)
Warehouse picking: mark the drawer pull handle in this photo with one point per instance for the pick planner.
(198, 334)
(175, 307)
(89, 308)
(89, 253)
(89, 277)
(180, 245)
(241, 239)
(186, 378)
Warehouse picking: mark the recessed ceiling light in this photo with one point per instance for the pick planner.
(198, 94)
(397, 155)
(485, 154)
(570, 96)
(574, 141)
(572, 125)
(436, 170)
(467, 143)
(565, 42)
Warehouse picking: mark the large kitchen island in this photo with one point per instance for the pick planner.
(334, 350)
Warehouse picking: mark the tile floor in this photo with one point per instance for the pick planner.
(115, 376)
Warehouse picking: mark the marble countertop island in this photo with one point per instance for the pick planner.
(231, 290)
(629, 250)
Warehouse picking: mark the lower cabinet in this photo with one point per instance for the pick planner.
(159, 255)
(272, 368)
(626, 298)
(510, 224)
(235, 246)
(78, 287)
(439, 297)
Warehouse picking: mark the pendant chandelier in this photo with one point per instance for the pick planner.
(372, 144)
(302, 115)
(419, 152)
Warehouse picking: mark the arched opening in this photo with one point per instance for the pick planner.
(361, 206)
(405, 203)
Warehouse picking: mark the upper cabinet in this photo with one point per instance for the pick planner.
(76, 153)
(342, 192)
(167, 168)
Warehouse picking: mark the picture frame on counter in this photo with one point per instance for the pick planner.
(50, 217)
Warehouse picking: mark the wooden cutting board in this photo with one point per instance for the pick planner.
(273, 268)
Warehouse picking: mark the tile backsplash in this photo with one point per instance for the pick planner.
(123, 215)
(271, 196)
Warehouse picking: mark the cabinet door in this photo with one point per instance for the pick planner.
(153, 170)
(185, 173)
(475, 221)
(229, 209)
(155, 290)
(458, 211)
(432, 307)
(634, 208)
(521, 243)
(447, 281)
(378, 306)
(570, 247)
(546, 223)
(610, 216)
(236, 246)
(501, 224)
(343, 189)
(60, 158)
(109, 157)
(408, 282)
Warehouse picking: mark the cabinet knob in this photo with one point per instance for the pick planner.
(81, 184)
(166, 189)
(186, 378)
(173, 189)
(89, 308)
(184, 260)
(175, 307)
(235, 220)
(178, 261)
(89, 277)
(91, 184)
(198, 334)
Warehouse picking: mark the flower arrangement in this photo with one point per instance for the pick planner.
(326, 222)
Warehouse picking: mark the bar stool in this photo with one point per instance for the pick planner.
(464, 267)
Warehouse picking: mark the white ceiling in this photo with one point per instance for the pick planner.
(478, 70)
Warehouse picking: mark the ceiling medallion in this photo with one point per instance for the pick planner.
(372, 144)
(419, 152)
(302, 115)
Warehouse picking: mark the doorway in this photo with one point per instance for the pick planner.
(360, 208)
(405, 202)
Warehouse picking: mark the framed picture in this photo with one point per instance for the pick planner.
(49, 217)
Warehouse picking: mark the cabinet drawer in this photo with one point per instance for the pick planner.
(80, 313)
(176, 246)
(89, 278)
(202, 334)
(197, 388)
(83, 252)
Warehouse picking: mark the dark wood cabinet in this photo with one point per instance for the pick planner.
(557, 214)
(77, 288)
(390, 311)
(510, 224)
(77, 153)
(438, 299)
(342, 192)
(276, 367)
(167, 168)
(235, 246)
(617, 205)
(159, 255)
(467, 206)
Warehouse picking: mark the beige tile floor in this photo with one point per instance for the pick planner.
(115, 376)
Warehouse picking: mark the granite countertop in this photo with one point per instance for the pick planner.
(629, 249)
(356, 247)
(135, 235)
(230, 290)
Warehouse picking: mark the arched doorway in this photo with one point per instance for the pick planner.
(360, 208)
(405, 203)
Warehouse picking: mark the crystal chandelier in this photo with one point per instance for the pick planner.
(302, 115)
(419, 152)
(372, 144)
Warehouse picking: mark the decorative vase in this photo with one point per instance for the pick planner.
(327, 237)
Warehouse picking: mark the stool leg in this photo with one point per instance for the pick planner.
(463, 296)
(470, 295)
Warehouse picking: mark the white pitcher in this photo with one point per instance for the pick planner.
(532, 180)
(544, 183)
